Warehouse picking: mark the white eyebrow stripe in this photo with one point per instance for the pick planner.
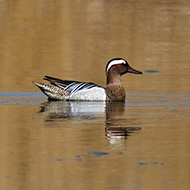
(114, 62)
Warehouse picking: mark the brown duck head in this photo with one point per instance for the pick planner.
(117, 67)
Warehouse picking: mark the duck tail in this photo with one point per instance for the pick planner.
(51, 91)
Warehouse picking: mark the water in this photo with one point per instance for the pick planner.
(140, 144)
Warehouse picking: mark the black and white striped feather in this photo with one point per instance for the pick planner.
(63, 89)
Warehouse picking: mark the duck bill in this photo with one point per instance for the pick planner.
(131, 70)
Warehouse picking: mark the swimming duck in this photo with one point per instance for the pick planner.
(59, 89)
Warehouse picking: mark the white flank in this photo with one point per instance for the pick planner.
(115, 62)
(92, 94)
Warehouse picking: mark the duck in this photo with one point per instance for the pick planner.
(70, 90)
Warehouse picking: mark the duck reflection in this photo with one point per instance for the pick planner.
(72, 109)
(118, 127)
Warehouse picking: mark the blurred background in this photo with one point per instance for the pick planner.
(142, 144)
(75, 39)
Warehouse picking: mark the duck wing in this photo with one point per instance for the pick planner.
(70, 86)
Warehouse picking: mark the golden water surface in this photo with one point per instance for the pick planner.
(143, 144)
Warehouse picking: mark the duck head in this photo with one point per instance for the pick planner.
(117, 67)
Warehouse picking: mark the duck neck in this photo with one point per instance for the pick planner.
(113, 78)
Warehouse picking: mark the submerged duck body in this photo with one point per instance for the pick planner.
(59, 89)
